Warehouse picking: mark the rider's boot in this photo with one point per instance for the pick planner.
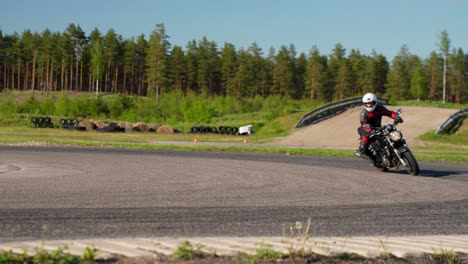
(362, 150)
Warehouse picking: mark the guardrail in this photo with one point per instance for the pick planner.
(326, 111)
(453, 123)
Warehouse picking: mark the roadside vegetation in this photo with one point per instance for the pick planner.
(296, 247)
(271, 117)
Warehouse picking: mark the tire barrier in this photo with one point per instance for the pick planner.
(453, 123)
(42, 122)
(114, 126)
(110, 129)
(224, 130)
(71, 123)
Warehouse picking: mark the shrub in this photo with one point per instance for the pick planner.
(98, 107)
(129, 115)
(89, 253)
(31, 106)
(62, 107)
(9, 107)
(273, 106)
(119, 104)
(171, 105)
(79, 107)
(47, 107)
(187, 251)
(199, 112)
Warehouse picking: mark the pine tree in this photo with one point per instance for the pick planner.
(301, 66)
(178, 69)
(228, 68)
(458, 77)
(434, 76)
(283, 73)
(399, 77)
(316, 75)
(376, 72)
(343, 80)
(141, 48)
(192, 67)
(418, 83)
(79, 41)
(260, 77)
(112, 46)
(66, 54)
(357, 66)
(334, 63)
(129, 65)
(244, 78)
(207, 66)
(97, 54)
(156, 60)
(27, 52)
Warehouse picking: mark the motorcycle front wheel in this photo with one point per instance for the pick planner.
(411, 164)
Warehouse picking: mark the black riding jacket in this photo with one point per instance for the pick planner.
(374, 118)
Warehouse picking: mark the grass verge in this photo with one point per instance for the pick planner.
(185, 142)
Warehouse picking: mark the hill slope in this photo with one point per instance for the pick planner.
(341, 131)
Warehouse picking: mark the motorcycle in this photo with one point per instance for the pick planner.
(390, 150)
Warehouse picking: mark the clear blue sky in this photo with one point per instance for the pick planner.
(356, 24)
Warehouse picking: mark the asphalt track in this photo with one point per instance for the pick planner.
(83, 193)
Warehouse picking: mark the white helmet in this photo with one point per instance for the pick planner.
(370, 101)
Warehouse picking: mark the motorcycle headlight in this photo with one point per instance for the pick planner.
(395, 135)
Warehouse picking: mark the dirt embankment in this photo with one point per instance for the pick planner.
(341, 131)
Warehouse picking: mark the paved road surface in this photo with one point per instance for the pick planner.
(79, 193)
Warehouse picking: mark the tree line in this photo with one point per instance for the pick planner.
(74, 61)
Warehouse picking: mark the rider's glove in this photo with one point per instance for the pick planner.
(398, 119)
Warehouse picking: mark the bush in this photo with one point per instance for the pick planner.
(199, 112)
(79, 107)
(31, 106)
(188, 252)
(129, 115)
(273, 106)
(145, 110)
(119, 104)
(171, 106)
(97, 107)
(9, 107)
(47, 107)
(62, 107)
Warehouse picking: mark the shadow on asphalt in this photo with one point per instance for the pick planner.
(435, 173)
(440, 173)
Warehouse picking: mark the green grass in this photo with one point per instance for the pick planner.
(444, 147)
(59, 255)
(439, 104)
(444, 255)
(151, 141)
(459, 138)
(187, 251)
(17, 128)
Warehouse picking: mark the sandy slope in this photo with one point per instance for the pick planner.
(341, 131)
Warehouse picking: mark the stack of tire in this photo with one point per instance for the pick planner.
(42, 122)
(71, 123)
(110, 127)
(215, 130)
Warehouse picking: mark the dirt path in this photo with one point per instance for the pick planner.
(341, 131)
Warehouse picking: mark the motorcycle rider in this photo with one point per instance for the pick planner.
(371, 118)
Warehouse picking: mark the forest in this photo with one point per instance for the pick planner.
(151, 66)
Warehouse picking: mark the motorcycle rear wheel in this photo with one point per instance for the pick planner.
(411, 164)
